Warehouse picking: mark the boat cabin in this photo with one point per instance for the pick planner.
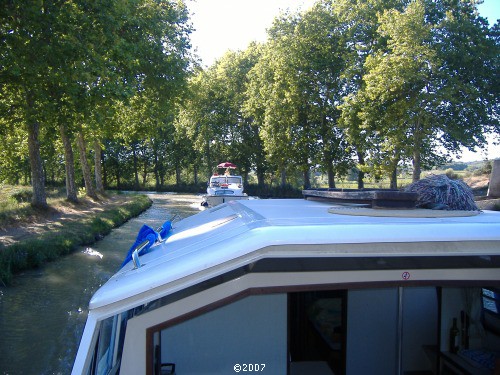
(225, 185)
(222, 189)
(298, 286)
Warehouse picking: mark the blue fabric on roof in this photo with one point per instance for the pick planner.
(165, 228)
(145, 233)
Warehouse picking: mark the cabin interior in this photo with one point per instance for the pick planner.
(377, 331)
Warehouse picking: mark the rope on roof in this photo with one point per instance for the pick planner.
(439, 192)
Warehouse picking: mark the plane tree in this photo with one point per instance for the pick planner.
(148, 68)
(358, 23)
(75, 56)
(241, 136)
(397, 89)
(467, 100)
(26, 61)
(270, 106)
(278, 102)
(212, 114)
(320, 52)
(294, 92)
(201, 117)
(429, 89)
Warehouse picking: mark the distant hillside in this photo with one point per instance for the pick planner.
(475, 174)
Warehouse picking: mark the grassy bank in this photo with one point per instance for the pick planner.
(69, 226)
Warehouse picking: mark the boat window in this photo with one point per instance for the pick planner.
(218, 180)
(251, 329)
(109, 347)
(491, 309)
(234, 180)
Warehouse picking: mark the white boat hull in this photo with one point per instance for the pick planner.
(215, 200)
(222, 189)
(215, 293)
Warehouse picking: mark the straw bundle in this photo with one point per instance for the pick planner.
(441, 193)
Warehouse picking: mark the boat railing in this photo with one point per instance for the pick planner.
(148, 238)
(135, 254)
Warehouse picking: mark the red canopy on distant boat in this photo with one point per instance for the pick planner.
(227, 165)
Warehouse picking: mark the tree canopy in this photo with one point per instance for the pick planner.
(371, 86)
(67, 64)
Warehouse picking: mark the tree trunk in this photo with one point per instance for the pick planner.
(177, 175)
(361, 174)
(260, 162)
(37, 177)
(144, 175)
(417, 162)
(331, 176)
(85, 166)
(307, 179)
(98, 166)
(260, 177)
(208, 158)
(394, 177)
(417, 166)
(136, 168)
(283, 178)
(195, 172)
(104, 171)
(69, 165)
(155, 170)
(118, 177)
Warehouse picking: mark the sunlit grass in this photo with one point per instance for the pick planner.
(15, 203)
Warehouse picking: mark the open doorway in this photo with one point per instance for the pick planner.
(316, 325)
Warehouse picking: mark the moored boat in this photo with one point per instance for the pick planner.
(302, 286)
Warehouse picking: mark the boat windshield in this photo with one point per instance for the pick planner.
(234, 180)
(218, 180)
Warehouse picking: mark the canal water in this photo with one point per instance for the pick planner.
(42, 315)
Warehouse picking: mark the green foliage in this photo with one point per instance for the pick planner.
(378, 85)
(481, 168)
(451, 174)
(457, 166)
(212, 116)
(23, 195)
(287, 191)
(293, 94)
(413, 89)
(355, 78)
(14, 204)
(69, 65)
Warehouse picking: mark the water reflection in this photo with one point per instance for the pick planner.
(92, 252)
(43, 313)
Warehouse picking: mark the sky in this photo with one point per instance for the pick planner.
(222, 25)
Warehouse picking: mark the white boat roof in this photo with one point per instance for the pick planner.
(239, 233)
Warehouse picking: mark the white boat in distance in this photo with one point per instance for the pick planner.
(303, 286)
(223, 188)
